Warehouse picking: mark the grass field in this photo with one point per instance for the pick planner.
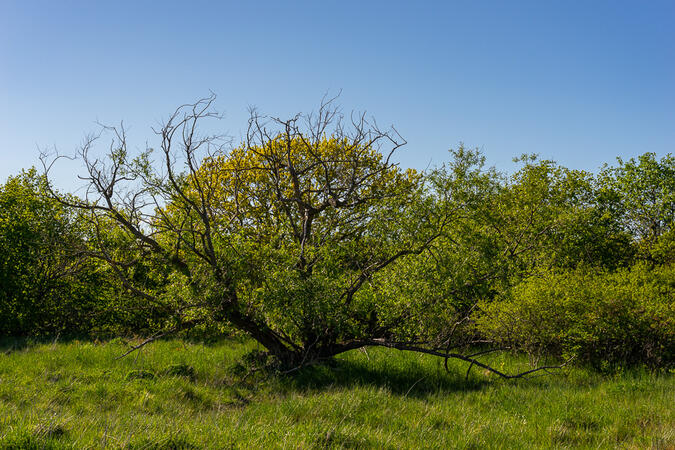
(173, 394)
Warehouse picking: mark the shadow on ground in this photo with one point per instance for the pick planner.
(8, 345)
(409, 380)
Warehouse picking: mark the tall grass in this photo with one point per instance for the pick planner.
(174, 394)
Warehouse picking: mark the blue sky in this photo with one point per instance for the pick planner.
(579, 82)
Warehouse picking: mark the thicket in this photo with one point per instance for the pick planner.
(308, 238)
(49, 285)
(606, 319)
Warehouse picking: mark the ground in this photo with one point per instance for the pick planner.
(175, 394)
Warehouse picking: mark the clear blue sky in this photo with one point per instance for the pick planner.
(577, 81)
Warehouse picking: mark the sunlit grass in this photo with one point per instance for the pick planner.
(173, 394)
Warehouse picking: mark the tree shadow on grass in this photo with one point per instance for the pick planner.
(9, 345)
(405, 377)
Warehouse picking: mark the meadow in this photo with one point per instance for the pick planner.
(337, 224)
(176, 394)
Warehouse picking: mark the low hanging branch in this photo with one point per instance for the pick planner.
(470, 359)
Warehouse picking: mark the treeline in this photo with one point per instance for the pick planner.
(547, 260)
(554, 261)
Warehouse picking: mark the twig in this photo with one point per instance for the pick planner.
(413, 385)
(144, 343)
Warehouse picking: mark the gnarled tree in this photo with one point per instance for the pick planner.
(283, 237)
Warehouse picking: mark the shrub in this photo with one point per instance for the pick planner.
(607, 319)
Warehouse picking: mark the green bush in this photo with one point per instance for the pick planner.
(607, 319)
(47, 284)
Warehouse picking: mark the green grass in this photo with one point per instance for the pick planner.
(173, 394)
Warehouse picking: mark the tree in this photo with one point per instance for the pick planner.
(284, 237)
(543, 216)
(46, 286)
(546, 215)
(643, 192)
